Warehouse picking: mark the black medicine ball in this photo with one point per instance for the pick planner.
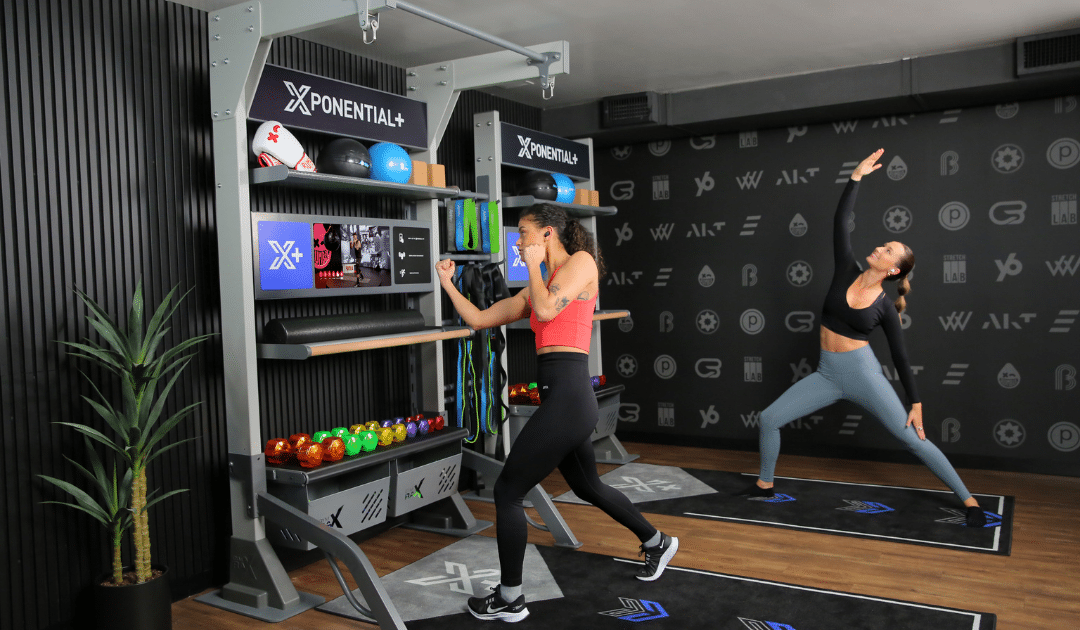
(344, 156)
(538, 184)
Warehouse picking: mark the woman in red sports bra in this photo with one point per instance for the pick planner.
(559, 433)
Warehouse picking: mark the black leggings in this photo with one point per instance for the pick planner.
(557, 435)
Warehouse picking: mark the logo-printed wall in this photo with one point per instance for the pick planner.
(722, 252)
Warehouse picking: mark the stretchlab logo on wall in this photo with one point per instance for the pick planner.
(955, 271)
(1063, 209)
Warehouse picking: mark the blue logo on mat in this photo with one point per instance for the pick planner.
(637, 610)
(779, 498)
(865, 507)
(754, 624)
(285, 256)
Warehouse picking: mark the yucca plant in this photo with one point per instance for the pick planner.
(131, 353)
(110, 508)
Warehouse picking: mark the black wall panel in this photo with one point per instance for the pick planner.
(106, 179)
(722, 252)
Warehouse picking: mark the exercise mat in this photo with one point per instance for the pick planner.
(568, 589)
(334, 327)
(906, 515)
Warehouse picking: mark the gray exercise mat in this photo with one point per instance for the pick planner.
(646, 482)
(441, 583)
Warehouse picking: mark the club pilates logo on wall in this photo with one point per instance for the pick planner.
(800, 321)
(622, 190)
(708, 367)
(897, 169)
(1009, 376)
(954, 216)
(1006, 111)
(306, 101)
(897, 219)
(798, 226)
(1007, 159)
(629, 412)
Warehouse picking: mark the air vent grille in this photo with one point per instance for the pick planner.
(630, 109)
(1045, 53)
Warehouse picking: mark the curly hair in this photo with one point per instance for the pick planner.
(573, 235)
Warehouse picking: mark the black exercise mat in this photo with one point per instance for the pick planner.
(906, 515)
(601, 592)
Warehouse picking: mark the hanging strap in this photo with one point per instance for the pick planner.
(459, 225)
(471, 226)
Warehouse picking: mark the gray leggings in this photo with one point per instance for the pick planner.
(854, 376)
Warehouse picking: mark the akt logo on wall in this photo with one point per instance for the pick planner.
(1063, 209)
(1007, 159)
(897, 219)
(955, 269)
(701, 230)
(799, 273)
(793, 176)
(1009, 376)
(1004, 322)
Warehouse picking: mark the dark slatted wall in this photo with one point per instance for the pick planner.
(106, 178)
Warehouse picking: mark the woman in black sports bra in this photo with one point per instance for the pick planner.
(855, 305)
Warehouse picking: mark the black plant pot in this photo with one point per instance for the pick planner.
(146, 606)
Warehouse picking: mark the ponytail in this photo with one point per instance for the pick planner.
(573, 235)
(903, 284)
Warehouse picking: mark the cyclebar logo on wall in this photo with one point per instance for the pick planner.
(306, 101)
(541, 151)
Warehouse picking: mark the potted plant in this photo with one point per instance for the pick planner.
(147, 373)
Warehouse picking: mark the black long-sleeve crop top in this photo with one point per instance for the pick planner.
(838, 316)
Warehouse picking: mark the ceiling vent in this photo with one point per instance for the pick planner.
(631, 109)
(1046, 53)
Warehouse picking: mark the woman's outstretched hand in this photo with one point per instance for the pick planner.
(867, 166)
(445, 269)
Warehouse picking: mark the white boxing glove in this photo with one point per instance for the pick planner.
(273, 144)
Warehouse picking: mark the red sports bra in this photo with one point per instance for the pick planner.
(571, 327)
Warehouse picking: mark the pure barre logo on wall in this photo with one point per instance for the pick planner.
(300, 100)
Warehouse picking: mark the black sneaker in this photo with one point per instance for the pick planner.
(975, 517)
(754, 490)
(494, 607)
(658, 557)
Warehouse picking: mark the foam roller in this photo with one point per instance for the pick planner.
(297, 330)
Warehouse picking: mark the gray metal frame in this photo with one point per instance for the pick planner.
(240, 37)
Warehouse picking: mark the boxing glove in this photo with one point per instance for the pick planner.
(273, 144)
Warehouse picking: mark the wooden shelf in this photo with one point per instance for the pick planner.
(572, 209)
(303, 351)
(283, 176)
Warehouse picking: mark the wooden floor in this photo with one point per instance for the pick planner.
(1035, 588)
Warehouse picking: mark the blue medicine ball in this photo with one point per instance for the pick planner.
(565, 186)
(539, 185)
(390, 163)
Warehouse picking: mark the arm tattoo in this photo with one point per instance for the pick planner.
(583, 296)
(561, 304)
(554, 289)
